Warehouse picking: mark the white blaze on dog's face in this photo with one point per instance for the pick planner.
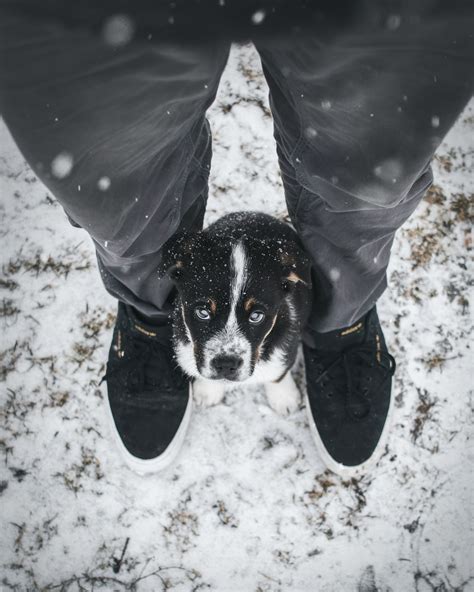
(235, 304)
(227, 353)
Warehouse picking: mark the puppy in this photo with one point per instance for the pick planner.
(243, 298)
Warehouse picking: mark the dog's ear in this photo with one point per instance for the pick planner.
(177, 253)
(296, 265)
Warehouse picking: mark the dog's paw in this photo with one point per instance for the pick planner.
(207, 392)
(284, 396)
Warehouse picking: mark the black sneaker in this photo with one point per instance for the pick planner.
(349, 383)
(148, 395)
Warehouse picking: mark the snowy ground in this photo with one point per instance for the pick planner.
(248, 506)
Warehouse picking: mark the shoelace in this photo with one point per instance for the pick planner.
(340, 369)
(140, 369)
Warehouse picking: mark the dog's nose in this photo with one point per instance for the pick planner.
(227, 366)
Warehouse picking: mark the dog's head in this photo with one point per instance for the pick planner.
(235, 300)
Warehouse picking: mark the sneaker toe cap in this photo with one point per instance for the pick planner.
(146, 436)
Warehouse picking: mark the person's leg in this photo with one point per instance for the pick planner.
(118, 133)
(359, 112)
(358, 115)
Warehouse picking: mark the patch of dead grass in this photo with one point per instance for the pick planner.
(463, 207)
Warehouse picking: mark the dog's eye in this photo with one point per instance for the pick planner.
(256, 317)
(202, 313)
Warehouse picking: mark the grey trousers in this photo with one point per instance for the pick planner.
(117, 131)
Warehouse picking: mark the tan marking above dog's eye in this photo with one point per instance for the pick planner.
(213, 305)
(249, 303)
(295, 278)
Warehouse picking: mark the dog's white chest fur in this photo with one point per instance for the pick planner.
(283, 396)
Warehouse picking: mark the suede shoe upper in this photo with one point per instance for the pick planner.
(148, 393)
(348, 375)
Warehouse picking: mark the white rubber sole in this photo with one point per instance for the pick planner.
(153, 465)
(345, 471)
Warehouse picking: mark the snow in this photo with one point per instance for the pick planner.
(103, 183)
(389, 170)
(258, 17)
(248, 505)
(393, 22)
(62, 164)
(310, 133)
(118, 30)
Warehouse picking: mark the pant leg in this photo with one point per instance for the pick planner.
(118, 133)
(359, 112)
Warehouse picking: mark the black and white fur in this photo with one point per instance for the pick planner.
(243, 298)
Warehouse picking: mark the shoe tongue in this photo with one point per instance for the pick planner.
(157, 332)
(339, 339)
